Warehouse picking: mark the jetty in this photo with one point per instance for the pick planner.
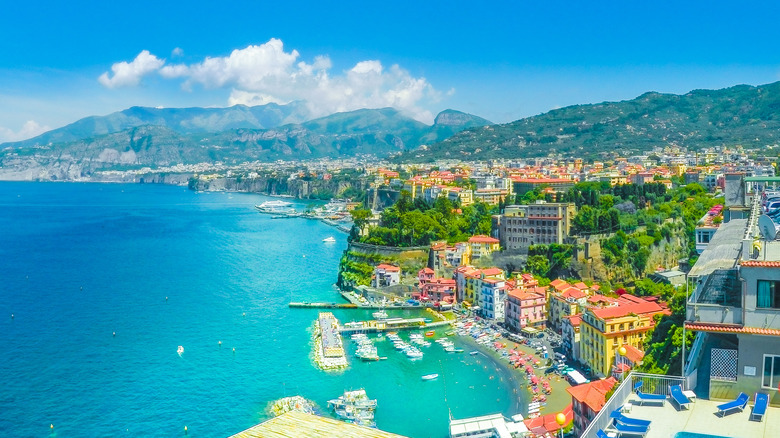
(305, 304)
(298, 424)
(390, 324)
(328, 348)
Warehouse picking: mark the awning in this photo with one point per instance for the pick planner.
(530, 330)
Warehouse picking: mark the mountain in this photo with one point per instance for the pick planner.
(740, 115)
(181, 120)
(147, 137)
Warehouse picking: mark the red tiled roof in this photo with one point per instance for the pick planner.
(761, 264)
(426, 270)
(626, 309)
(581, 286)
(522, 294)
(730, 328)
(593, 394)
(601, 299)
(390, 268)
(557, 282)
(574, 319)
(573, 292)
(548, 423)
(492, 271)
(482, 239)
(633, 354)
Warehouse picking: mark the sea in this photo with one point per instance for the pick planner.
(101, 283)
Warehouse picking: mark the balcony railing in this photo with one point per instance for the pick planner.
(651, 384)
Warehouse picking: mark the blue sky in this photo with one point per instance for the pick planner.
(502, 60)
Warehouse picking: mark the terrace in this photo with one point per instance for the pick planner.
(701, 417)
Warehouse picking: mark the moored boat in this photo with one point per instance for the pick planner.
(430, 376)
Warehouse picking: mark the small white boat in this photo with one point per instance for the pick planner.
(380, 314)
(430, 376)
(180, 350)
(330, 239)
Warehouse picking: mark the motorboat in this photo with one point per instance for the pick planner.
(430, 376)
(330, 239)
(180, 350)
(380, 314)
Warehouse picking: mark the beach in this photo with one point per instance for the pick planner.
(556, 400)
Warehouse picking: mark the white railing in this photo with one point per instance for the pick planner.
(651, 384)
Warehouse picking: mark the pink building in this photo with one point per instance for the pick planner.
(525, 307)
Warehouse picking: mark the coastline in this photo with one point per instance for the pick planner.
(556, 401)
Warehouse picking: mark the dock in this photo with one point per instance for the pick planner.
(391, 324)
(298, 424)
(352, 306)
(328, 348)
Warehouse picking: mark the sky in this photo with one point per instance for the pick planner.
(501, 60)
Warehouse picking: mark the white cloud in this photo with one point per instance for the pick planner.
(264, 73)
(130, 73)
(177, 52)
(30, 129)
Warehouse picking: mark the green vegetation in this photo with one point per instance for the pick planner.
(741, 115)
(414, 222)
(663, 345)
(549, 261)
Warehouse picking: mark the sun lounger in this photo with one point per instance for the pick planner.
(759, 408)
(740, 403)
(622, 428)
(643, 397)
(676, 392)
(601, 434)
(617, 415)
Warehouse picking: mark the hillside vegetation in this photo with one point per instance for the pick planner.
(740, 115)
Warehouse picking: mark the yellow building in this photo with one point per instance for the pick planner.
(468, 282)
(481, 246)
(604, 330)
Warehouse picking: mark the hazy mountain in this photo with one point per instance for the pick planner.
(147, 137)
(181, 120)
(740, 115)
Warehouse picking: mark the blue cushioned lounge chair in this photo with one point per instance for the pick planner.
(601, 434)
(675, 391)
(617, 415)
(759, 408)
(739, 403)
(647, 397)
(628, 429)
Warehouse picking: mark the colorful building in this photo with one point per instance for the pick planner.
(587, 400)
(482, 246)
(386, 275)
(525, 307)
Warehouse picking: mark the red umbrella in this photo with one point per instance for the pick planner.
(534, 380)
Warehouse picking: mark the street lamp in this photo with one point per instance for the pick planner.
(561, 420)
(621, 352)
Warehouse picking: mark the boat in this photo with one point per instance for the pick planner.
(180, 350)
(380, 314)
(474, 353)
(354, 406)
(430, 333)
(275, 206)
(330, 239)
(430, 376)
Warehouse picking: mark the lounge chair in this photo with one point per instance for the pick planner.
(601, 434)
(622, 428)
(759, 408)
(644, 397)
(740, 403)
(617, 415)
(676, 393)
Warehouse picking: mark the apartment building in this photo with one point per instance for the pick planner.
(525, 308)
(541, 223)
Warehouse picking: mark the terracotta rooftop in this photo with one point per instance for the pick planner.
(482, 239)
(573, 292)
(633, 354)
(492, 271)
(593, 393)
(761, 264)
(574, 319)
(390, 268)
(581, 286)
(524, 294)
(627, 309)
(730, 328)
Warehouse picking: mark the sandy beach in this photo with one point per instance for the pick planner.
(557, 400)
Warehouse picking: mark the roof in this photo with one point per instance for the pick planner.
(559, 284)
(581, 286)
(492, 271)
(731, 328)
(760, 264)
(724, 249)
(524, 294)
(311, 426)
(626, 309)
(390, 268)
(426, 270)
(573, 292)
(480, 238)
(593, 394)
(548, 422)
(575, 320)
(633, 354)
(597, 298)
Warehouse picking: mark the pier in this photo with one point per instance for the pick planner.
(353, 306)
(392, 324)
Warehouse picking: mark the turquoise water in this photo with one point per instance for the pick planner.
(160, 267)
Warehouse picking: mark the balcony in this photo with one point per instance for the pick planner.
(718, 300)
(667, 421)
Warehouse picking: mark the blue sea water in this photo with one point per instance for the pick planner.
(105, 281)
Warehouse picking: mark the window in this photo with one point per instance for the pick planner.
(771, 376)
(768, 295)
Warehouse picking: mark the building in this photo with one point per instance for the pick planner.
(492, 299)
(570, 301)
(486, 426)
(468, 283)
(604, 330)
(541, 223)
(570, 336)
(482, 246)
(386, 275)
(587, 401)
(735, 311)
(707, 226)
(525, 308)
(521, 186)
(434, 289)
